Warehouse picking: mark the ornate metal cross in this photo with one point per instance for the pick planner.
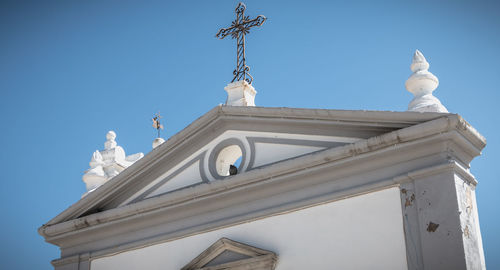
(238, 29)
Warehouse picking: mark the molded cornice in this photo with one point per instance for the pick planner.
(420, 134)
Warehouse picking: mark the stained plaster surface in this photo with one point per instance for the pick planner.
(334, 235)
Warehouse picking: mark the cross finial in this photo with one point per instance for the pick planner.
(239, 28)
(156, 123)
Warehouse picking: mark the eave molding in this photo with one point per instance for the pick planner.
(372, 146)
(440, 125)
(448, 131)
(220, 114)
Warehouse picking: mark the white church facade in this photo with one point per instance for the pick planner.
(311, 189)
(318, 189)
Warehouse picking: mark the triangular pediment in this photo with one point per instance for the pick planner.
(251, 138)
(246, 150)
(228, 254)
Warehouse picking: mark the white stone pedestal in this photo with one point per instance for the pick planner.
(240, 93)
(157, 142)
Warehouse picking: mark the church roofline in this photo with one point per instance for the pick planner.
(433, 123)
(374, 119)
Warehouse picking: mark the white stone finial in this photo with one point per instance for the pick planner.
(111, 135)
(421, 84)
(95, 176)
(240, 93)
(107, 163)
(110, 142)
(419, 62)
(96, 159)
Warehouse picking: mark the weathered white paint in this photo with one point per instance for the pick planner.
(421, 84)
(240, 93)
(469, 221)
(423, 151)
(362, 232)
(442, 229)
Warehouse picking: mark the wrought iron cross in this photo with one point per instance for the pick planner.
(239, 28)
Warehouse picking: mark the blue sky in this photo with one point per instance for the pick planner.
(72, 70)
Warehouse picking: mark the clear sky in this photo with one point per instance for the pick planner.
(72, 70)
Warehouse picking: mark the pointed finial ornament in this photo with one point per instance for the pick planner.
(421, 84)
(110, 140)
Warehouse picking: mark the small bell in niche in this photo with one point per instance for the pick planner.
(233, 170)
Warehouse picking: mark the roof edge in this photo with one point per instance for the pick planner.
(448, 122)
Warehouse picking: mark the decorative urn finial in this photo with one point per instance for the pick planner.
(110, 140)
(95, 176)
(107, 163)
(421, 84)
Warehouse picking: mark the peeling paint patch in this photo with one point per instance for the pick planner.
(408, 200)
(468, 200)
(432, 227)
(466, 231)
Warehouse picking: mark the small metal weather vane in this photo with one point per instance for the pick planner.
(156, 123)
(239, 28)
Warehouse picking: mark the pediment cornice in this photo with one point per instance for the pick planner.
(403, 128)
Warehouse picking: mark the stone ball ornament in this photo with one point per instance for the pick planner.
(111, 135)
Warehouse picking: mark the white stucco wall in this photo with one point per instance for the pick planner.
(362, 232)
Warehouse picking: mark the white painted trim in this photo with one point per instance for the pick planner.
(451, 165)
(299, 164)
(432, 142)
(235, 114)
